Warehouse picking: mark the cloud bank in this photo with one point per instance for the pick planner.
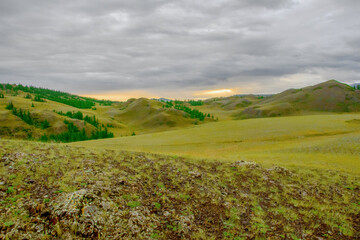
(178, 47)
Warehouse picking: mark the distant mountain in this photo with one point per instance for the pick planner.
(330, 96)
(233, 102)
(162, 99)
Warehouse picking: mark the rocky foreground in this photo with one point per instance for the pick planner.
(50, 191)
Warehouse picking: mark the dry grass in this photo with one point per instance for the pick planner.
(53, 191)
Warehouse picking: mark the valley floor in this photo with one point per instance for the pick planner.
(323, 141)
(50, 191)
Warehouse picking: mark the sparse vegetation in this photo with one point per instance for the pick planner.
(81, 193)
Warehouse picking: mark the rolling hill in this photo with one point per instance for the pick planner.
(147, 115)
(35, 107)
(290, 177)
(330, 96)
(93, 119)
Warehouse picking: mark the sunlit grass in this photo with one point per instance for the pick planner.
(319, 141)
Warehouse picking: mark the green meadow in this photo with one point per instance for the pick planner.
(324, 141)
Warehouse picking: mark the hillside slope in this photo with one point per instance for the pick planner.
(150, 115)
(330, 96)
(90, 115)
(52, 191)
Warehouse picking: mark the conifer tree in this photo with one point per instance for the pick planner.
(10, 106)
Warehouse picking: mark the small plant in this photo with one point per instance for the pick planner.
(134, 204)
(133, 134)
(10, 190)
(161, 185)
(12, 176)
(8, 224)
(154, 235)
(157, 205)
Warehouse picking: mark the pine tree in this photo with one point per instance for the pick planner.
(10, 106)
(45, 124)
(44, 138)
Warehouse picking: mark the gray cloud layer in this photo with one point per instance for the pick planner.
(87, 46)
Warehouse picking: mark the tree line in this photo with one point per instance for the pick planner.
(25, 115)
(73, 134)
(58, 96)
(194, 113)
(79, 115)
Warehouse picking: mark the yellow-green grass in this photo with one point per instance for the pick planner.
(54, 191)
(105, 114)
(136, 115)
(218, 112)
(330, 141)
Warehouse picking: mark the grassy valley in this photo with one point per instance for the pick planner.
(283, 166)
(329, 141)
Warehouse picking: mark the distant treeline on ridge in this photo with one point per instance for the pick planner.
(57, 96)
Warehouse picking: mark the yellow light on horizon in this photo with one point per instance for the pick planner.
(120, 95)
(218, 91)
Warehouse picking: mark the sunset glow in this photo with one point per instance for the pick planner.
(120, 96)
(219, 91)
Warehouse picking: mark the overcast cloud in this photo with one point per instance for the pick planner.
(178, 47)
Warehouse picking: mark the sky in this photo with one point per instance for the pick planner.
(119, 49)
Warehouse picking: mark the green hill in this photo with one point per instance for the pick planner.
(33, 107)
(46, 114)
(330, 96)
(150, 115)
